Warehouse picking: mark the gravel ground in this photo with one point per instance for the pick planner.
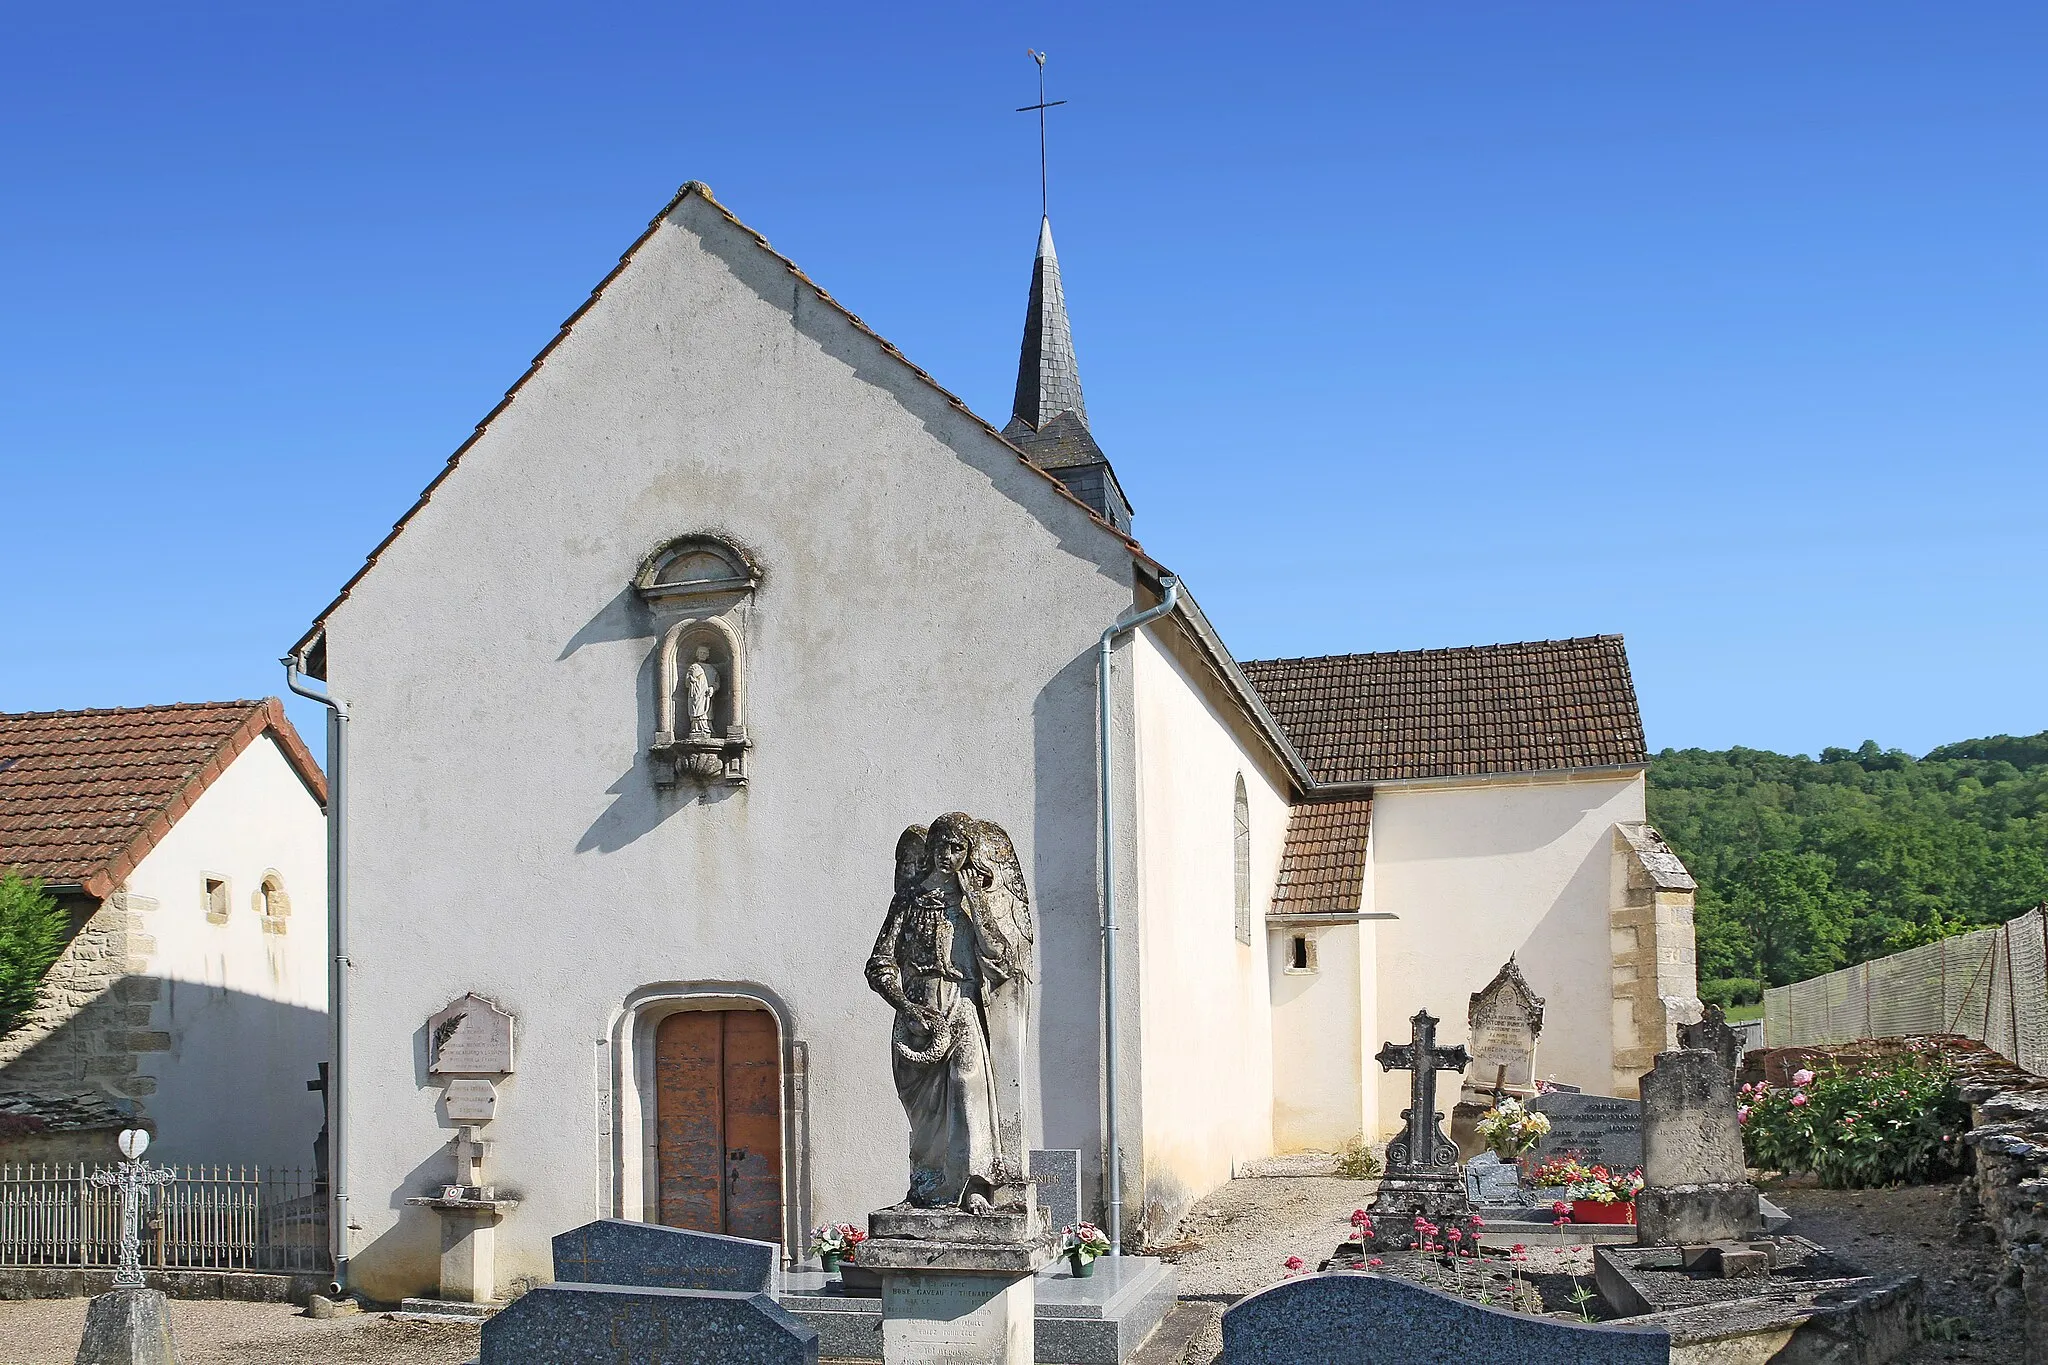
(1971, 1313)
(214, 1332)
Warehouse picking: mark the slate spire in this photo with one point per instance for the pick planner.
(1049, 419)
(1048, 379)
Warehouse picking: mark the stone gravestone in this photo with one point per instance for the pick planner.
(1314, 1319)
(1502, 1025)
(1058, 1179)
(1422, 1178)
(1712, 1034)
(649, 1256)
(1694, 1186)
(602, 1324)
(1600, 1128)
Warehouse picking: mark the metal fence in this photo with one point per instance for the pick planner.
(207, 1218)
(1989, 984)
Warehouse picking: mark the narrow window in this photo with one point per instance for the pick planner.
(273, 904)
(1301, 953)
(216, 894)
(1241, 860)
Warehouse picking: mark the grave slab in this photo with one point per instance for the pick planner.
(601, 1324)
(1315, 1319)
(615, 1251)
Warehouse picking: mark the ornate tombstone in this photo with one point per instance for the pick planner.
(1712, 1034)
(1503, 1023)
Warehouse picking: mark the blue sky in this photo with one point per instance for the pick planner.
(1724, 327)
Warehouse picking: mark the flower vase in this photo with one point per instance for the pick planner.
(1082, 1267)
(830, 1260)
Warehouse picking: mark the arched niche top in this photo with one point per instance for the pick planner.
(693, 567)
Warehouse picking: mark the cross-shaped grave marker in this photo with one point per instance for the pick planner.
(1420, 1143)
(132, 1177)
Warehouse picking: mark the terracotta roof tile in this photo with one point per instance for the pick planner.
(1322, 869)
(84, 795)
(1529, 707)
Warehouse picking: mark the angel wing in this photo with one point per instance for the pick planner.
(1006, 902)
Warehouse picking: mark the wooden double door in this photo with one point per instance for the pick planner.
(718, 1122)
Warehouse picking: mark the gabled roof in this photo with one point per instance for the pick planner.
(85, 795)
(1322, 868)
(315, 661)
(1532, 707)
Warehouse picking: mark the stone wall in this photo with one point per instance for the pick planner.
(94, 1017)
(2004, 1200)
(1656, 977)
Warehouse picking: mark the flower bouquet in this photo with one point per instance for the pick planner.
(833, 1243)
(1588, 1192)
(1510, 1129)
(1081, 1244)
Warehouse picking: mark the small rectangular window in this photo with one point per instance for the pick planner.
(1301, 953)
(216, 899)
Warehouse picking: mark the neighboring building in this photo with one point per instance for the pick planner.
(189, 845)
(899, 606)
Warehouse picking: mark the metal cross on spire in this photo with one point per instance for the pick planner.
(1040, 107)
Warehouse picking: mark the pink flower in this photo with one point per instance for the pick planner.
(1742, 1113)
(1360, 1216)
(1798, 1100)
(1455, 1235)
(1375, 1261)
(1802, 1078)
(1560, 1208)
(1477, 1221)
(1519, 1249)
(1294, 1263)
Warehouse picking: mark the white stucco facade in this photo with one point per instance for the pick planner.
(240, 1022)
(1206, 1017)
(1475, 871)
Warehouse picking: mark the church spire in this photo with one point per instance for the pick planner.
(1048, 419)
(1048, 379)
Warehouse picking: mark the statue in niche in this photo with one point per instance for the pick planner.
(700, 685)
(954, 961)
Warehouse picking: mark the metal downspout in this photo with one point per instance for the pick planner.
(1103, 708)
(337, 894)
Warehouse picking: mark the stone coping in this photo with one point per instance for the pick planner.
(1060, 1294)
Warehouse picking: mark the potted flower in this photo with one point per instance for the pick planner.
(1510, 1129)
(1081, 1244)
(1589, 1192)
(833, 1243)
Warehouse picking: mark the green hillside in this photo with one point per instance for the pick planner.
(1808, 865)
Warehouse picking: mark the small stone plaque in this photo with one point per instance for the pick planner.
(1058, 1176)
(1489, 1180)
(471, 1037)
(615, 1251)
(471, 1101)
(601, 1324)
(1600, 1128)
(932, 1318)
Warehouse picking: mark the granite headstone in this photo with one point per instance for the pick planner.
(1313, 1319)
(647, 1255)
(1600, 1128)
(1058, 1174)
(602, 1324)
(1489, 1180)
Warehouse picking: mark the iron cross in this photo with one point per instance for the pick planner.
(1040, 107)
(1421, 1142)
(131, 1178)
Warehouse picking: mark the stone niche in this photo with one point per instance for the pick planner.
(700, 590)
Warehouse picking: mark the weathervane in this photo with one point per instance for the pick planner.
(1040, 107)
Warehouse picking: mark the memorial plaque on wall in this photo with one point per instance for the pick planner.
(1600, 1128)
(471, 1037)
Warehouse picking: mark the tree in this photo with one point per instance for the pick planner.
(1794, 918)
(32, 931)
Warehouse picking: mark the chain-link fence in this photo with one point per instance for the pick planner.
(1989, 984)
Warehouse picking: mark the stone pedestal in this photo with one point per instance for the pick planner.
(1692, 1156)
(469, 1242)
(128, 1327)
(958, 1286)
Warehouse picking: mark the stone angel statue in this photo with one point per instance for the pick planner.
(954, 960)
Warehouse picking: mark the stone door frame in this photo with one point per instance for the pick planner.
(634, 1156)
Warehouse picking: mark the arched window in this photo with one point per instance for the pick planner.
(1241, 860)
(273, 903)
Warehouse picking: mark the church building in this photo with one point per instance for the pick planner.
(727, 593)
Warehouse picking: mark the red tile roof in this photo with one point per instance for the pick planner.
(1546, 704)
(85, 795)
(1322, 870)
